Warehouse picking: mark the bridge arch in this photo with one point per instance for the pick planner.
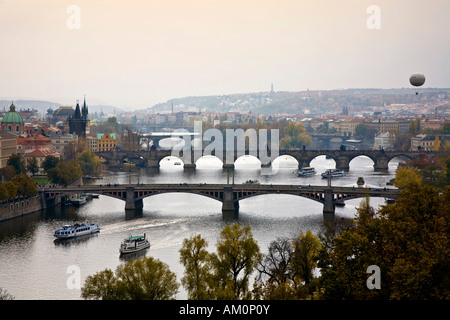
(285, 161)
(208, 162)
(367, 163)
(247, 161)
(171, 162)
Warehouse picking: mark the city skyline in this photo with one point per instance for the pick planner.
(141, 53)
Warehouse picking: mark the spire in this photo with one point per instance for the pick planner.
(77, 113)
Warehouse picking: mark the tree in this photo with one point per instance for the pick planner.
(141, 279)
(295, 136)
(407, 176)
(50, 162)
(65, 172)
(89, 162)
(195, 259)
(11, 189)
(436, 144)
(236, 258)
(16, 161)
(7, 172)
(26, 186)
(407, 240)
(304, 260)
(32, 165)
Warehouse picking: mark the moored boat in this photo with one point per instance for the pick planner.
(333, 173)
(306, 171)
(77, 201)
(134, 244)
(76, 230)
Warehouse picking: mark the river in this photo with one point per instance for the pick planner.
(34, 266)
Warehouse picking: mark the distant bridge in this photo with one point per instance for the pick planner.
(152, 158)
(228, 194)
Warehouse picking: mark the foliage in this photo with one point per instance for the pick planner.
(141, 279)
(49, 162)
(196, 262)
(32, 165)
(17, 162)
(25, 185)
(236, 258)
(408, 241)
(65, 172)
(7, 172)
(407, 176)
(89, 162)
(295, 136)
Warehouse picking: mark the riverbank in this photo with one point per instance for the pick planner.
(13, 208)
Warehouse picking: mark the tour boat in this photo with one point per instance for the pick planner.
(333, 173)
(134, 244)
(77, 201)
(251, 182)
(76, 230)
(306, 171)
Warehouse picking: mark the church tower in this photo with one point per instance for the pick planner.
(79, 123)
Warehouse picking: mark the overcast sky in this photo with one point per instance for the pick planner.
(136, 53)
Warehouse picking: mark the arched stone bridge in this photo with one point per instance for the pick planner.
(152, 158)
(228, 194)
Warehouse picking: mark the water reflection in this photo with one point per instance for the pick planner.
(34, 266)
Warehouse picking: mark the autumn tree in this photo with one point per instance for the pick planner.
(65, 172)
(141, 279)
(197, 269)
(32, 165)
(295, 136)
(89, 162)
(236, 259)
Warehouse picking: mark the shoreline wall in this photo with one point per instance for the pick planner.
(12, 208)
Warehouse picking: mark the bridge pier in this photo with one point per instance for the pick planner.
(228, 166)
(342, 163)
(381, 164)
(230, 206)
(328, 205)
(131, 203)
(189, 166)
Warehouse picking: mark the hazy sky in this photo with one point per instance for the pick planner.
(136, 53)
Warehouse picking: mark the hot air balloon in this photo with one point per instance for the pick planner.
(417, 79)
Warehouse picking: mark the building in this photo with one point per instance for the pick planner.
(383, 140)
(92, 142)
(40, 155)
(106, 142)
(8, 146)
(79, 122)
(62, 114)
(60, 142)
(12, 121)
(33, 141)
(425, 142)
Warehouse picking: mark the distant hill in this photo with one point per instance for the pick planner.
(302, 102)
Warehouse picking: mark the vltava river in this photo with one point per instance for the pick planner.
(34, 266)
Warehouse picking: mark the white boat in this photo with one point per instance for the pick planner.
(76, 230)
(306, 171)
(134, 244)
(333, 173)
(77, 201)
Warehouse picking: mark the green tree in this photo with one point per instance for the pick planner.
(16, 161)
(65, 172)
(196, 261)
(141, 279)
(306, 248)
(11, 189)
(50, 162)
(237, 257)
(32, 165)
(89, 162)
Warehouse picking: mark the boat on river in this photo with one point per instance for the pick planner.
(76, 201)
(334, 173)
(76, 230)
(306, 172)
(134, 244)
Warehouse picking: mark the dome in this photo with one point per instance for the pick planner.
(12, 116)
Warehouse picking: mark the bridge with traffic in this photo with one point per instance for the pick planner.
(228, 194)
